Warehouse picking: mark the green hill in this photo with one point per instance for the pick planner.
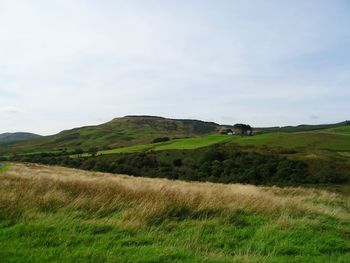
(320, 156)
(307, 140)
(303, 127)
(334, 140)
(119, 132)
(326, 151)
(136, 133)
(6, 138)
(340, 130)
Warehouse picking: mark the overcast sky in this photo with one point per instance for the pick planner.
(69, 63)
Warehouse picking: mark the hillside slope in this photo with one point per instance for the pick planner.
(119, 132)
(303, 127)
(335, 140)
(138, 132)
(17, 136)
(53, 214)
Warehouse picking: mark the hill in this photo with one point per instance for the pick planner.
(335, 140)
(119, 132)
(275, 158)
(51, 214)
(284, 158)
(138, 132)
(17, 136)
(303, 127)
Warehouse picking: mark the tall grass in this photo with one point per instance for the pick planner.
(35, 187)
(30, 192)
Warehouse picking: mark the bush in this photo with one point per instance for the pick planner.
(161, 139)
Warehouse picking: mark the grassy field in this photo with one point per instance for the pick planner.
(335, 140)
(179, 144)
(341, 130)
(54, 214)
(307, 140)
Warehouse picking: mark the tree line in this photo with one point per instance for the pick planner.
(218, 163)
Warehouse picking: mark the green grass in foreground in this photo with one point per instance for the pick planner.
(88, 218)
(4, 167)
(246, 237)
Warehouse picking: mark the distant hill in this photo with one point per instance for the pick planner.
(17, 136)
(302, 127)
(129, 131)
(118, 132)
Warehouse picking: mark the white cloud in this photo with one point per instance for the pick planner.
(70, 63)
(10, 110)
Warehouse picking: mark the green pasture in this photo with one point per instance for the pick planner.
(306, 140)
(178, 144)
(336, 140)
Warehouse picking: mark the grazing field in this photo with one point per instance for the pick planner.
(54, 214)
(335, 140)
(341, 130)
(178, 144)
(308, 140)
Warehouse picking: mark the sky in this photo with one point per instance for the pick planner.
(66, 64)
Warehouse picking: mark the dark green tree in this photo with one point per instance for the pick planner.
(93, 151)
(243, 129)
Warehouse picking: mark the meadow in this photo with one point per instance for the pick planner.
(55, 214)
(176, 144)
(335, 140)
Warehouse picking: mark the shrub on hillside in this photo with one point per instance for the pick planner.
(161, 139)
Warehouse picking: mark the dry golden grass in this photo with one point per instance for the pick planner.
(27, 189)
